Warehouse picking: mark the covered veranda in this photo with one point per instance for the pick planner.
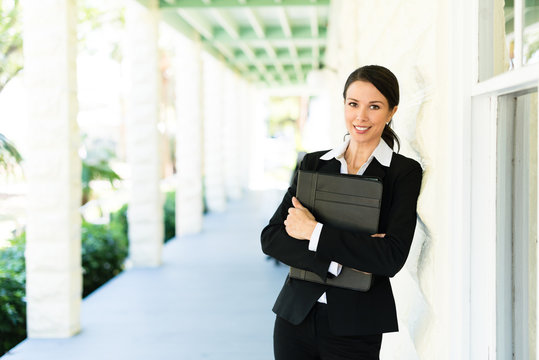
(209, 299)
(209, 292)
(190, 298)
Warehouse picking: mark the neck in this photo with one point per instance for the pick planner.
(357, 154)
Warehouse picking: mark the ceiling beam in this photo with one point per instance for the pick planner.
(258, 27)
(199, 23)
(285, 23)
(314, 33)
(304, 58)
(215, 49)
(289, 72)
(314, 23)
(273, 59)
(280, 53)
(238, 3)
(316, 57)
(253, 60)
(299, 34)
(270, 50)
(256, 23)
(227, 51)
(287, 31)
(230, 26)
(232, 29)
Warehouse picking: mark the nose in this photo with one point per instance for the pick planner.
(361, 112)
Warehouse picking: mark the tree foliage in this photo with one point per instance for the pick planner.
(11, 60)
(9, 155)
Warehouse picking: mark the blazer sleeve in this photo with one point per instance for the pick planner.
(380, 256)
(278, 244)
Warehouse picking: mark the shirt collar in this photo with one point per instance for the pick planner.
(383, 153)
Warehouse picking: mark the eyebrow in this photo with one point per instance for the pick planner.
(370, 102)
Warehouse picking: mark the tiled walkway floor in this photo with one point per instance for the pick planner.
(211, 299)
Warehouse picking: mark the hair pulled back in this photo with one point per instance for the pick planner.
(386, 82)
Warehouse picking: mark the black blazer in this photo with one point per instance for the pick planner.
(350, 312)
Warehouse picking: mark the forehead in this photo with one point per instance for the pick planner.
(365, 91)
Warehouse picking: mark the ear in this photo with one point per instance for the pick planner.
(393, 111)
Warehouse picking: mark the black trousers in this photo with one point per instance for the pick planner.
(312, 340)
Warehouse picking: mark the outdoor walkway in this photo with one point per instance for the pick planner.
(211, 299)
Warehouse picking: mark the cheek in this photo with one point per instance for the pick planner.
(348, 117)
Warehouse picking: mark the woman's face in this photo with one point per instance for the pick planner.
(366, 112)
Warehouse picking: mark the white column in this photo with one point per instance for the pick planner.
(213, 134)
(243, 133)
(145, 214)
(258, 109)
(232, 140)
(189, 205)
(53, 170)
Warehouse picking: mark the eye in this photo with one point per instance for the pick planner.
(352, 104)
(374, 107)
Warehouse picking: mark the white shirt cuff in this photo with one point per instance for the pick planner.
(335, 268)
(315, 237)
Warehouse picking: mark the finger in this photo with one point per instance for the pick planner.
(296, 203)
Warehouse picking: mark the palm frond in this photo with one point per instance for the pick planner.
(9, 154)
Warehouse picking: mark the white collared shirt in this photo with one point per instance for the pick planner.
(383, 153)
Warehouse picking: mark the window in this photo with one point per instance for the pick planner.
(531, 32)
(508, 35)
(516, 258)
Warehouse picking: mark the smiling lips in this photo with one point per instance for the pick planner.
(361, 129)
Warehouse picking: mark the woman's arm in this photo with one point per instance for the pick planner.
(383, 256)
(277, 243)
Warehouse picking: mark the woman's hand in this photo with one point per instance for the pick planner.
(299, 223)
(378, 235)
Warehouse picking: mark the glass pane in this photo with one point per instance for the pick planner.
(505, 60)
(516, 283)
(496, 37)
(525, 227)
(531, 32)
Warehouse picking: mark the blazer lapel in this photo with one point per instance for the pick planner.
(375, 169)
(329, 166)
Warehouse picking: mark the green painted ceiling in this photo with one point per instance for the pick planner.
(275, 42)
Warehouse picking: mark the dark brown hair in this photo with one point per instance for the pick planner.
(386, 82)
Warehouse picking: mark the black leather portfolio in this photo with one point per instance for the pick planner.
(350, 202)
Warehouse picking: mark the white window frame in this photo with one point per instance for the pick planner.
(483, 195)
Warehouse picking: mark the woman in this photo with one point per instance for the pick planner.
(316, 321)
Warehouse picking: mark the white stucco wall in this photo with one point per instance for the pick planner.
(411, 38)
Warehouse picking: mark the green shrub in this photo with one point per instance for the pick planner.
(12, 313)
(119, 219)
(170, 215)
(12, 263)
(12, 294)
(104, 249)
